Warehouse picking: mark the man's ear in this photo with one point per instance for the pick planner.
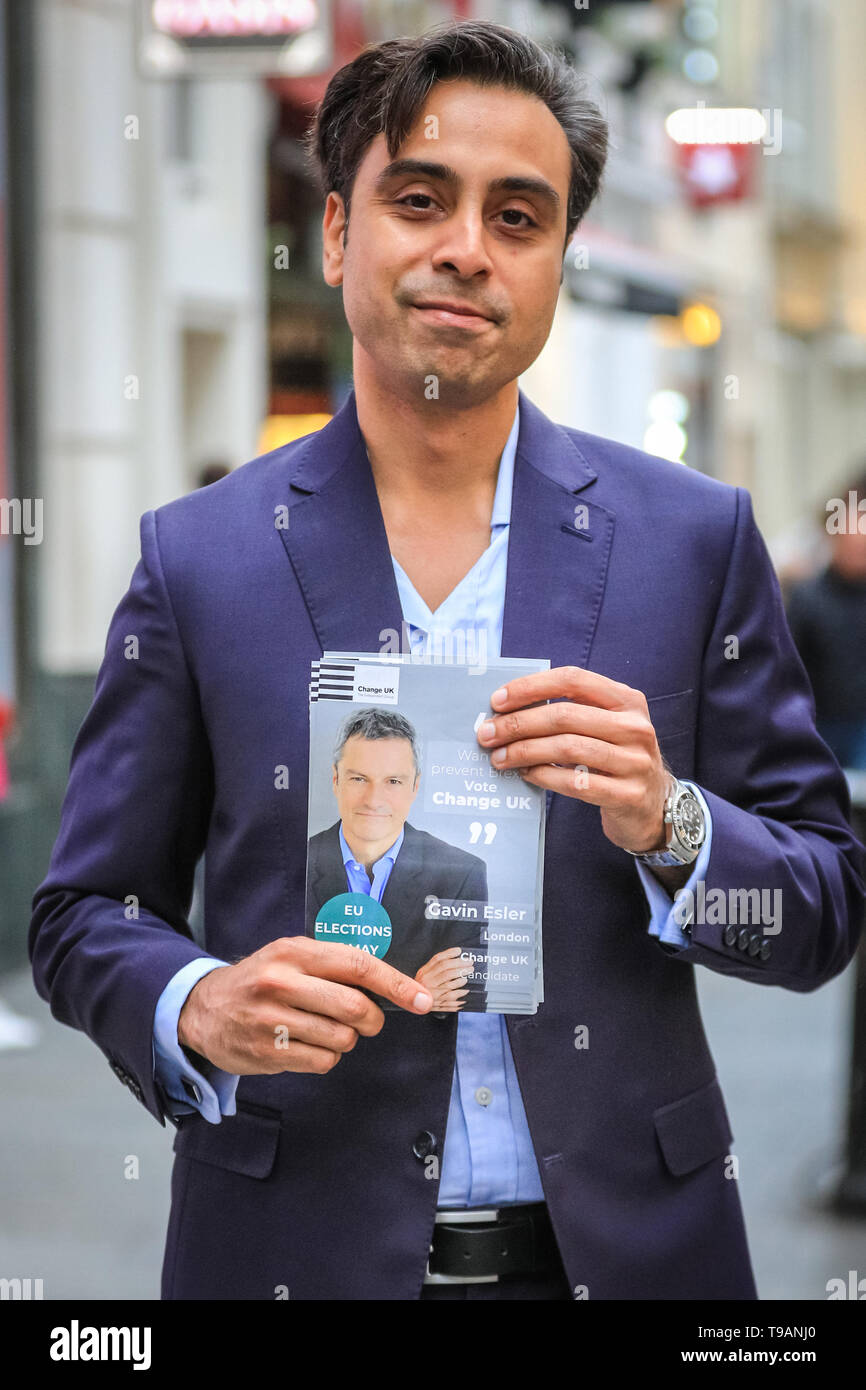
(333, 241)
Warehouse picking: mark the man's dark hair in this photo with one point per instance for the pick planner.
(377, 723)
(384, 88)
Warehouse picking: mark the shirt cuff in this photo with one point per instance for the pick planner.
(209, 1090)
(670, 916)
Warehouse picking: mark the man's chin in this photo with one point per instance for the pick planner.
(461, 379)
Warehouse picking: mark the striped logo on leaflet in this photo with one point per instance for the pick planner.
(332, 680)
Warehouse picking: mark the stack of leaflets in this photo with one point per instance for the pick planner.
(419, 850)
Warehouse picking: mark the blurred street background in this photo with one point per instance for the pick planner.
(165, 319)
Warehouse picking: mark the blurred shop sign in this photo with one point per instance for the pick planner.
(234, 38)
(713, 174)
(714, 148)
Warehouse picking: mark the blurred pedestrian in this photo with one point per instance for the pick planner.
(15, 1031)
(211, 473)
(827, 616)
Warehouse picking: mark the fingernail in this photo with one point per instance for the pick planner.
(499, 695)
(487, 729)
(498, 755)
(422, 1000)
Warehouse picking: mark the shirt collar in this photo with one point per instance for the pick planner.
(501, 514)
(349, 858)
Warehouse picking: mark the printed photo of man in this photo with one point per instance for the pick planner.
(373, 849)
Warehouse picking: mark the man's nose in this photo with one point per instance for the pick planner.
(375, 801)
(462, 244)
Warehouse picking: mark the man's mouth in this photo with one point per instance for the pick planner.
(451, 314)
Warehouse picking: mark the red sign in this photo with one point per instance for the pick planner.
(715, 174)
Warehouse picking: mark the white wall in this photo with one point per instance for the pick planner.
(135, 249)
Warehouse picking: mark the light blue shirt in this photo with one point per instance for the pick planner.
(357, 876)
(488, 1158)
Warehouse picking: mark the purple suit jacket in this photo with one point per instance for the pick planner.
(319, 1184)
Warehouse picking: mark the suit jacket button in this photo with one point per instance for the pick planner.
(729, 936)
(764, 952)
(754, 944)
(743, 939)
(424, 1145)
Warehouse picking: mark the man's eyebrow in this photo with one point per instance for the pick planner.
(427, 169)
(356, 772)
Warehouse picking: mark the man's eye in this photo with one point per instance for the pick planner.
(520, 213)
(425, 197)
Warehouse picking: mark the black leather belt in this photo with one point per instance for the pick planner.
(482, 1245)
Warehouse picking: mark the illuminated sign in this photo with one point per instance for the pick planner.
(231, 19)
(232, 38)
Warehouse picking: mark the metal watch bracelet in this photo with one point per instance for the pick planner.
(677, 853)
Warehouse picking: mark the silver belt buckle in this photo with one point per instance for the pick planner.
(460, 1218)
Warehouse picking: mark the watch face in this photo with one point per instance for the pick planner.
(689, 821)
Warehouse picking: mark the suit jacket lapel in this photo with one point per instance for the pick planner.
(558, 549)
(329, 869)
(336, 540)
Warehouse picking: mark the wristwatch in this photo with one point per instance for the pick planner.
(687, 832)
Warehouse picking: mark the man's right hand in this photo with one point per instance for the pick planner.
(295, 1005)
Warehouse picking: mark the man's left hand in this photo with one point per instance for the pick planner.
(595, 742)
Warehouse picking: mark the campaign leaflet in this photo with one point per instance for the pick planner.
(420, 851)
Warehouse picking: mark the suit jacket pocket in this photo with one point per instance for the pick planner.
(243, 1143)
(673, 718)
(693, 1129)
(672, 714)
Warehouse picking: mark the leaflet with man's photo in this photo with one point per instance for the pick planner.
(420, 851)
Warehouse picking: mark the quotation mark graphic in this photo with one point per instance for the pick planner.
(489, 829)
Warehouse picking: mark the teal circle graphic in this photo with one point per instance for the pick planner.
(355, 919)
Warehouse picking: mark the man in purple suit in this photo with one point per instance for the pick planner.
(322, 1150)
